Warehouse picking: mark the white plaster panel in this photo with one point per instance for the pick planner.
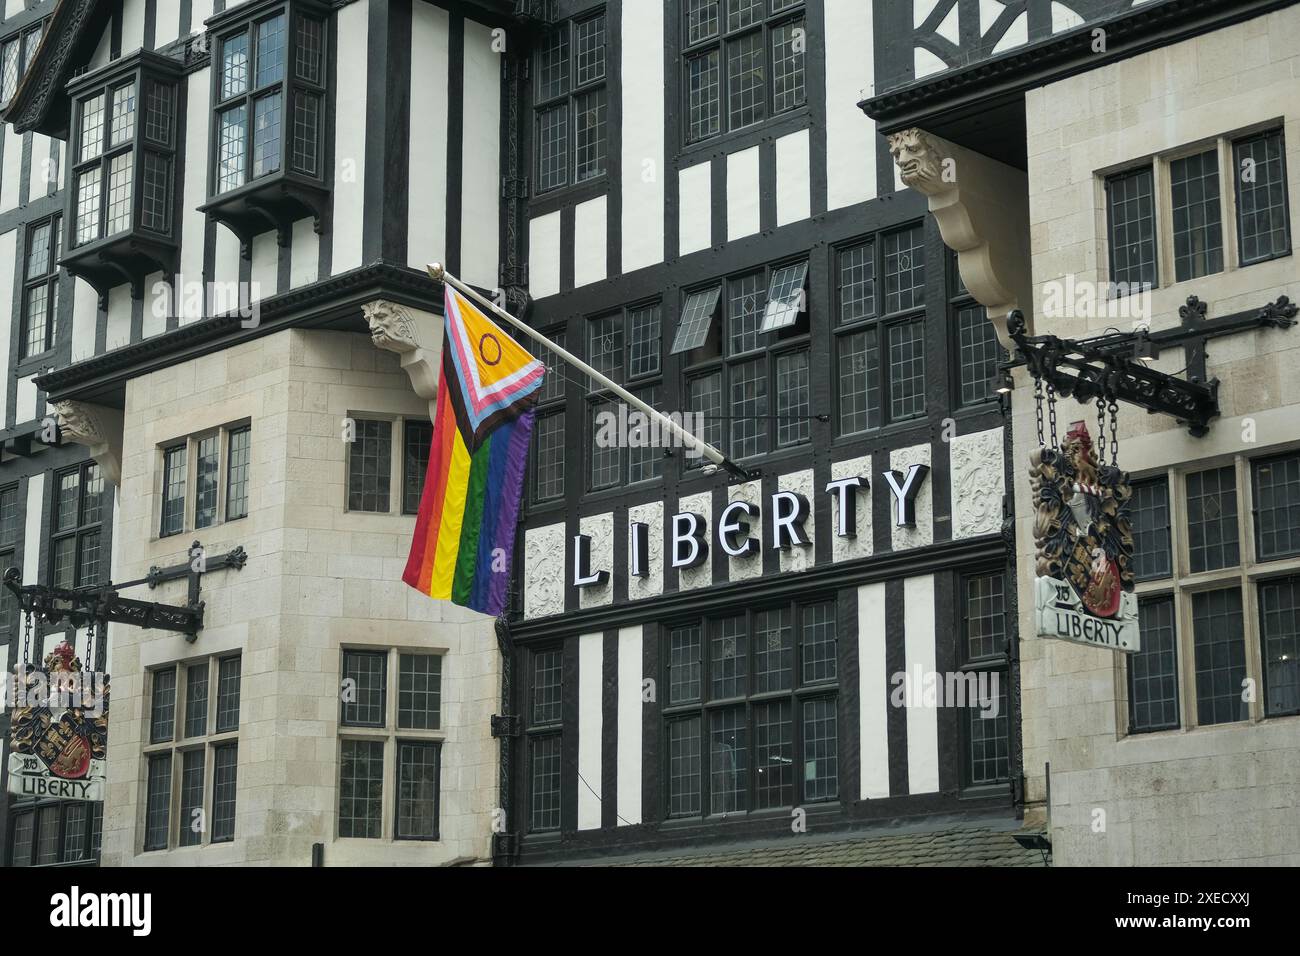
(919, 653)
(85, 318)
(118, 331)
(26, 408)
(544, 581)
(265, 273)
(630, 707)
(652, 585)
(195, 189)
(427, 175)
(590, 242)
(32, 529)
(793, 184)
(11, 169)
(157, 306)
(845, 549)
(702, 575)
(480, 147)
(348, 223)
(800, 558)
(8, 253)
(304, 254)
(873, 691)
(694, 208)
(167, 24)
(42, 170)
(900, 459)
(132, 26)
(544, 255)
(600, 528)
(643, 140)
(978, 482)
(742, 194)
(590, 728)
(742, 569)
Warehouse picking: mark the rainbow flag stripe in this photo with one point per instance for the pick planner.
(465, 529)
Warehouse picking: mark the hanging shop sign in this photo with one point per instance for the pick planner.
(1084, 584)
(787, 515)
(58, 731)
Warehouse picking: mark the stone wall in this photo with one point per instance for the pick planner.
(317, 578)
(1228, 793)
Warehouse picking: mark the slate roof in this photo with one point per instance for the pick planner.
(947, 845)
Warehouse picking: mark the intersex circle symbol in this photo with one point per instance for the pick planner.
(483, 348)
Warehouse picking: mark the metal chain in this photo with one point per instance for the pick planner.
(1101, 431)
(1051, 412)
(89, 664)
(27, 636)
(1038, 407)
(1114, 438)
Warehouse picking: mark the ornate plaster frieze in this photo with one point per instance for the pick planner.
(982, 208)
(414, 335)
(98, 428)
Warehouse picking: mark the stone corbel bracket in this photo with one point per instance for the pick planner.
(97, 427)
(414, 335)
(982, 209)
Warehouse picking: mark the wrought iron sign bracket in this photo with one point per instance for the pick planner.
(1112, 365)
(80, 606)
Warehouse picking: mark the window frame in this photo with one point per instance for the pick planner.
(81, 528)
(92, 831)
(181, 743)
(701, 708)
(569, 99)
(397, 464)
(550, 405)
(882, 322)
(720, 42)
(191, 445)
(49, 279)
(959, 299)
(1183, 585)
(24, 50)
(390, 736)
(998, 662)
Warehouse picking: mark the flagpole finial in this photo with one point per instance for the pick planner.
(435, 271)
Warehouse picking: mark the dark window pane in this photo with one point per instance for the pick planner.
(906, 370)
(361, 787)
(225, 761)
(857, 282)
(979, 354)
(701, 20)
(47, 836)
(1198, 228)
(270, 50)
(88, 184)
(370, 466)
(704, 395)
(746, 303)
(196, 699)
(1149, 516)
(159, 107)
(696, 319)
(793, 404)
(311, 43)
(589, 50)
(189, 823)
(1263, 225)
(417, 439)
(553, 64)
(1220, 655)
(156, 193)
(553, 147)
(986, 620)
(548, 687)
(544, 783)
(749, 412)
(365, 679)
(860, 404)
(554, 381)
(1212, 519)
(589, 124)
(419, 691)
(773, 651)
(605, 345)
(728, 761)
(821, 773)
(548, 457)
(703, 96)
(89, 559)
(205, 481)
(788, 66)
(728, 659)
(645, 341)
(92, 495)
(122, 124)
(818, 643)
(1153, 671)
(306, 131)
(158, 797)
(266, 134)
(606, 450)
(773, 755)
(24, 831)
(647, 461)
(65, 505)
(76, 832)
(746, 83)
(988, 738)
(1277, 507)
(232, 134)
(1279, 621)
(684, 665)
(904, 269)
(417, 790)
(228, 686)
(173, 505)
(684, 771)
(92, 127)
(240, 454)
(162, 711)
(1131, 218)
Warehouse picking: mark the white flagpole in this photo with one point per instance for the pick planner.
(439, 274)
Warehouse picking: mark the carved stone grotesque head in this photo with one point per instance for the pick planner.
(917, 158)
(77, 424)
(391, 326)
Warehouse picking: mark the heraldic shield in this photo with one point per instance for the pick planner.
(1084, 586)
(59, 732)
